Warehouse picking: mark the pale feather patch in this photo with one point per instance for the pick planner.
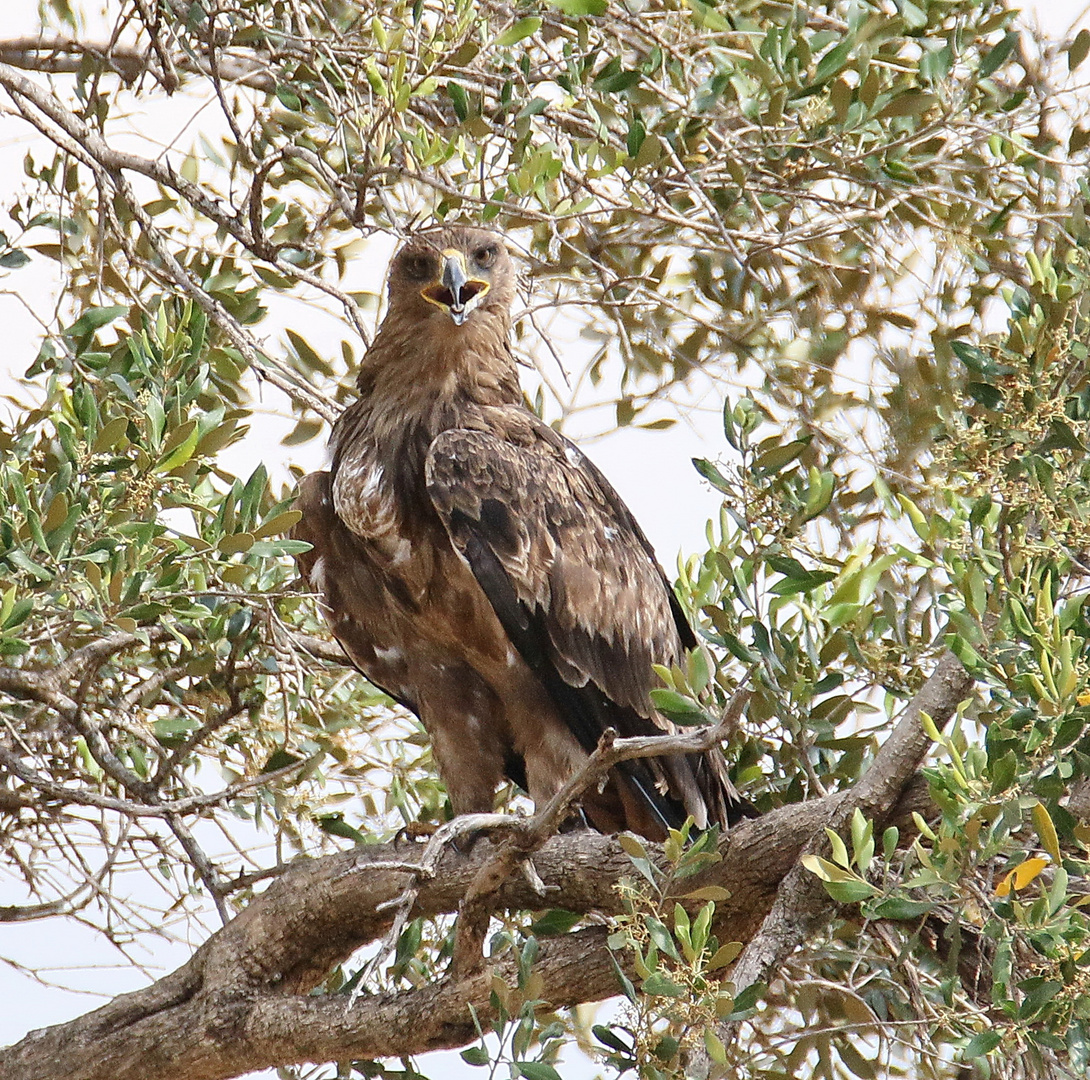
(373, 481)
(361, 498)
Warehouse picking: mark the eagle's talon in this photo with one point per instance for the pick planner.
(464, 843)
(416, 830)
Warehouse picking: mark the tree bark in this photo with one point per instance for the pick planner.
(242, 1001)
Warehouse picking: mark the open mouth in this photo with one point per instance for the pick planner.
(440, 294)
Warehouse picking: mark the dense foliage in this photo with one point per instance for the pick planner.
(854, 227)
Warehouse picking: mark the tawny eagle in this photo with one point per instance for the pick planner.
(476, 566)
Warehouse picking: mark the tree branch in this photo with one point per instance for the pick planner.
(59, 55)
(242, 1002)
(64, 128)
(802, 905)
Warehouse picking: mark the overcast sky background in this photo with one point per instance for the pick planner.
(652, 471)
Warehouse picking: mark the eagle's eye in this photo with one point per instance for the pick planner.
(418, 266)
(485, 256)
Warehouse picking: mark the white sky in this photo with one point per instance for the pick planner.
(651, 470)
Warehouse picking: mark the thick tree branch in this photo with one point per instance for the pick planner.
(473, 915)
(60, 55)
(242, 1002)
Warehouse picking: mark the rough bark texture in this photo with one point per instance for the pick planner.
(241, 1002)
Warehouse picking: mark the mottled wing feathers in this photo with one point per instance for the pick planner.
(352, 595)
(477, 566)
(520, 503)
(576, 588)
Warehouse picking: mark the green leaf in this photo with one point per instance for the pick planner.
(833, 62)
(1060, 437)
(709, 892)
(175, 728)
(714, 1045)
(911, 103)
(840, 884)
(458, 97)
(787, 566)
(666, 1048)
(519, 30)
(272, 548)
(625, 982)
(280, 759)
(552, 923)
(678, 708)
(1040, 993)
(711, 474)
(110, 435)
(179, 446)
(900, 909)
(93, 319)
(581, 7)
(991, 397)
(995, 59)
(748, 998)
(661, 936)
(475, 1055)
(708, 17)
(982, 1043)
(914, 16)
(724, 955)
(778, 457)
(662, 985)
(278, 524)
(1078, 49)
(850, 892)
(22, 561)
(979, 361)
(13, 259)
(1042, 822)
(537, 1070)
(18, 612)
(608, 1037)
(617, 82)
(335, 825)
(233, 543)
(288, 98)
(1078, 1040)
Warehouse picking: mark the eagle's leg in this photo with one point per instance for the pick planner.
(469, 738)
(577, 821)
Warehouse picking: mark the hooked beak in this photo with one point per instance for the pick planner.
(456, 292)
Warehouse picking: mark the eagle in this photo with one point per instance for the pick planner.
(477, 567)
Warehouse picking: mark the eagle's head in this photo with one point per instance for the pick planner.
(465, 273)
